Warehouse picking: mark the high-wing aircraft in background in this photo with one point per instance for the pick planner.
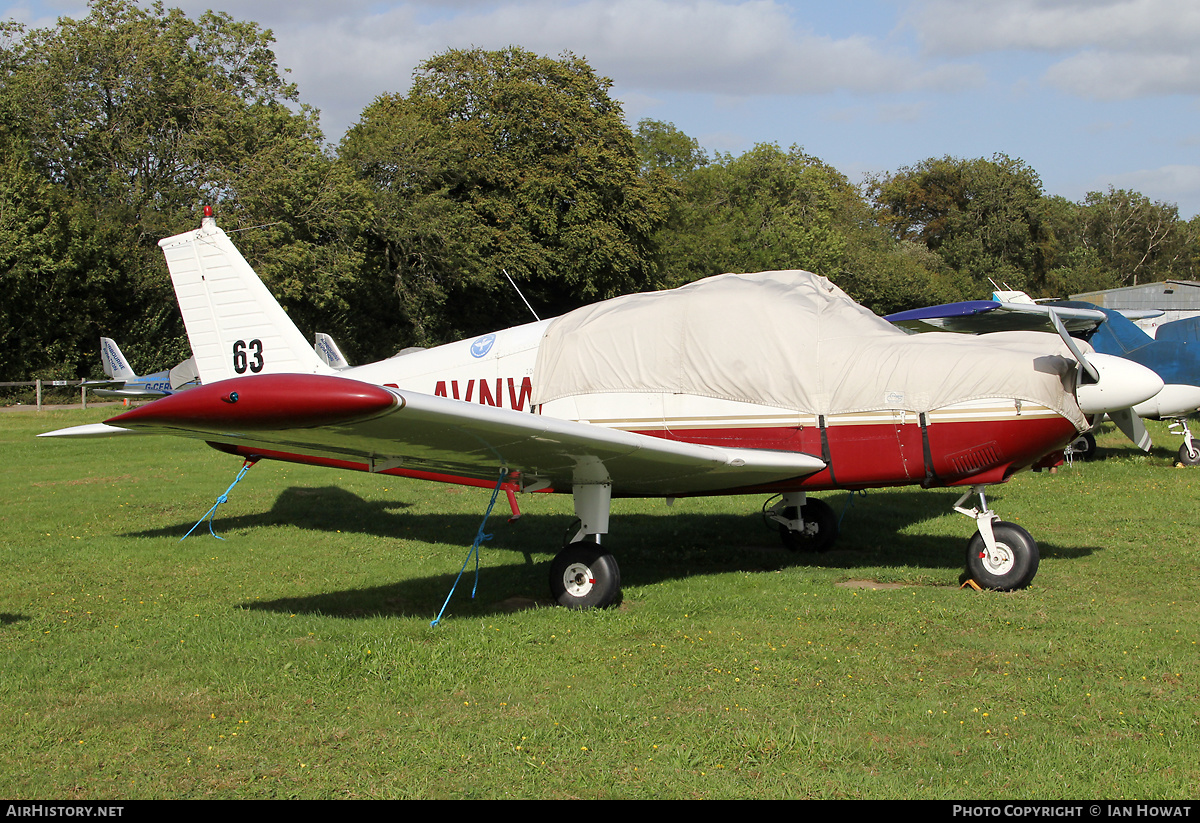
(1173, 353)
(125, 383)
(774, 383)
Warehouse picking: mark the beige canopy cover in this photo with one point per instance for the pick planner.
(794, 340)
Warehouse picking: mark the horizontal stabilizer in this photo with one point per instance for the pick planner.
(90, 430)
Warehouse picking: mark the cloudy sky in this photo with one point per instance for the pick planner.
(1090, 93)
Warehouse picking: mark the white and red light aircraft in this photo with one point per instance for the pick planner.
(772, 383)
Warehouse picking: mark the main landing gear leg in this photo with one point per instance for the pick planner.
(1001, 556)
(583, 575)
(1189, 453)
(804, 525)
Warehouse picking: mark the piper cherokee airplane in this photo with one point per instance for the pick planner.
(124, 382)
(1173, 353)
(773, 383)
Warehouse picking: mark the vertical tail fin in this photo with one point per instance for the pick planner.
(1119, 335)
(234, 324)
(327, 349)
(114, 363)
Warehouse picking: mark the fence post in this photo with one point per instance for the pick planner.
(39, 394)
(83, 397)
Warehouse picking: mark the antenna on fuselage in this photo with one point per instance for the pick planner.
(518, 291)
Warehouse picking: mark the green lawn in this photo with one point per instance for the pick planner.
(295, 658)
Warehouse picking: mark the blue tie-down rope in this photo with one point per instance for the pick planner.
(846, 506)
(479, 538)
(245, 468)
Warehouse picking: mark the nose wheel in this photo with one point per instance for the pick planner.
(1009, 563)
(1001, 556)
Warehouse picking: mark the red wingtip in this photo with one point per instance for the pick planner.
(264, 403)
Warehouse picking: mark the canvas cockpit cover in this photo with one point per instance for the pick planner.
(793, 340)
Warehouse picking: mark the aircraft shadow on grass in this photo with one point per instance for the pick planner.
(654, 548)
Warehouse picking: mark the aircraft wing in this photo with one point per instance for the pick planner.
(339, 420)
(984, 316)
(130, 393)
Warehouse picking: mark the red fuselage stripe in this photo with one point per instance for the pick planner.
(862, 456)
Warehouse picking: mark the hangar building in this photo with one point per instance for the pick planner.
(1175, 298)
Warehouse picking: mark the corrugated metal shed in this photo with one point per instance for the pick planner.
(1175, 298)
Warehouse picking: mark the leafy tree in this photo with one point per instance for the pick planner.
(767, 209)
(982, 217)
(771, 209)
(145, 109)
(503, 161)
(135, 117)
(1139, 240)
(662, 146)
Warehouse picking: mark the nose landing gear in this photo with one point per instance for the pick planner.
(1001, 556)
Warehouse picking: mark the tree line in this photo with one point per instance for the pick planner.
(116, 129)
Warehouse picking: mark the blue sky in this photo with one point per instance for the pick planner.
(1090, 93)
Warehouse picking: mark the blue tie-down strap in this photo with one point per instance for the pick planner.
(479, 538)
(245, 468)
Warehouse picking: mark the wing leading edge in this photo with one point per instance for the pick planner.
(984, 316)
(326, 417)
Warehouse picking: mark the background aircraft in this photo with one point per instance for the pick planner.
(1173, 354)
(327, 349)
(125, 383)
(773, 383)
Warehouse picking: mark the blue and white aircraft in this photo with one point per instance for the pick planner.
(125, 383)
(1173, 354)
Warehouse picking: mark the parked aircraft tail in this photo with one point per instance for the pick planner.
(114, 363)
(1119, 333)
(234, 324)
(327, 349)
(1186, 330)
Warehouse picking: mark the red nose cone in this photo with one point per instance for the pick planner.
(263, 403)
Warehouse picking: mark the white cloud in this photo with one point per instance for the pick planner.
(1178, 184)
(747, 48)
(1116, 76)
(1112, 49)
(751, 47)
(955, 27)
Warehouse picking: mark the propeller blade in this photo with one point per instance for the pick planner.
(1133, 428)
(1073, 346)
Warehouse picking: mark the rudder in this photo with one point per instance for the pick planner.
(235, 325)
(114, 363)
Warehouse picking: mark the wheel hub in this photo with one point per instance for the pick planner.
(578, 579)
(1000, 561)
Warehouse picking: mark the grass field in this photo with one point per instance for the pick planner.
(295, 658)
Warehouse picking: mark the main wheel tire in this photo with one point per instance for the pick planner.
(820, 528)
(585, 576)
(1013, 564)
(1084, 446)
(1189, 458)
